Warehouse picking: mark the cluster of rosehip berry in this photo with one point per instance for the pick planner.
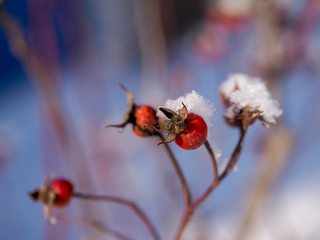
(189, 131)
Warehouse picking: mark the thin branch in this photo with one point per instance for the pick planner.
(126, 202)
(235, 155)
(47, 87)
(213, 160)
(91, 223)
(215, 182)
(184, 184)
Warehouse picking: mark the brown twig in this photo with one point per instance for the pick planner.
(235, 155)
(47, 86)
(215, 182)
(91, 223)
(184, 184)
(126, 202)
(213, 160)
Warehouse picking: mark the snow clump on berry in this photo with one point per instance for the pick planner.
(245, 91)
(194, 102)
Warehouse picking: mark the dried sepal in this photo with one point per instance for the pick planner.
(241, 117)
(168, 112)
(48, 204)
(46, 195)
(170, 138)
(161, 126)
(130, 96)
(175, 123)
(128, 116)
(183, 112)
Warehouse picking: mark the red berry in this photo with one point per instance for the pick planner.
(145, 115)
(194, 134)
(63, 190)
(140, 116)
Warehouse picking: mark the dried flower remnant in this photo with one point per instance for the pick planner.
(247, 99)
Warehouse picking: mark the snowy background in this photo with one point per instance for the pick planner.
(59, 88)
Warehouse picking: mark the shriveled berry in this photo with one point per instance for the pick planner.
(194, 134)
(63, 190)
(144, 115)
(140, 116)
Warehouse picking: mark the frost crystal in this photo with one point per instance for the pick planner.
(244, 91)
(194, 102)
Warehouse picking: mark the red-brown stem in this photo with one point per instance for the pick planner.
(184, 184)
(235, 155)
(215, 182)
(126, 202)
(213, 160)
(93, 224)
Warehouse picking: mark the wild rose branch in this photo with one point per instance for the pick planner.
(185, 121)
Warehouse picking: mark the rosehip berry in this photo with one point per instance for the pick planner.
(188, 130)
(140, 116)
(57, 192)
(194, 134)
(63, 190)
(145, 115)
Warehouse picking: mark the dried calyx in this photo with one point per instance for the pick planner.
(146, 113)
(45, 195)
(129, 116)
(174, 125)
(241, 117)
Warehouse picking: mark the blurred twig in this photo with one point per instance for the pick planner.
(283, 42)
(137, 210)
(21, 50)
(150, 35)
(48, 90)
(94, 224)
(278, 146)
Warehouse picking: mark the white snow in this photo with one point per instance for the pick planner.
(245, 91)
(194, 102)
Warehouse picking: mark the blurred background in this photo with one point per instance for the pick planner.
(60, 66)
